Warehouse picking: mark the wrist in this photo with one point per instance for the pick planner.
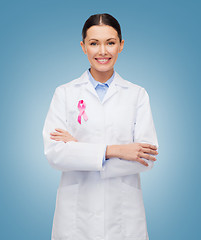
(113, 151)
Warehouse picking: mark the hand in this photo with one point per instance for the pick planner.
(62, 135)
(132, 152)
(138, 151)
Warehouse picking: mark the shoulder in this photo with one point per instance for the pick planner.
(73, 83)
(130, 85)
(135, 94)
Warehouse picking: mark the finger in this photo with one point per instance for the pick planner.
(147, 156)
(55, 134)
(146, 145)
(63, 132)
(140, 160)
(63, 137)
(59, 134)
(55, 138)
(150, 151)
(60, 130)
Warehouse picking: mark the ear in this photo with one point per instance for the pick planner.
(121, 46)
(83, 47)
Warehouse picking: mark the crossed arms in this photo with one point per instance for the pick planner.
(132, 152)
(65, 153)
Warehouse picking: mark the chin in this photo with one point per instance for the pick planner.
(103, 68)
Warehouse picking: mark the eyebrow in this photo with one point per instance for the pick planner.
(93, 39)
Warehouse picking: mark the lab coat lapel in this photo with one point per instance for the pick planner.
(90, 88)
(88, 85)
(110, 92)
(113, 89)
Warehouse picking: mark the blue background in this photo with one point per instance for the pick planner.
(39, 50)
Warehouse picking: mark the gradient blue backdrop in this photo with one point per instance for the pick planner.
(39, 50)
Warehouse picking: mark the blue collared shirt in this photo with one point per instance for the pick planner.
(101, 89)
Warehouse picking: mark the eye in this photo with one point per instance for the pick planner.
(111, 43)
(93, 43)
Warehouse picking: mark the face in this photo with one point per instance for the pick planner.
(102, 46)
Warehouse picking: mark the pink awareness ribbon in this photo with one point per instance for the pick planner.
(81, 107)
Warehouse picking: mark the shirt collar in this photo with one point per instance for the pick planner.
(95, 83)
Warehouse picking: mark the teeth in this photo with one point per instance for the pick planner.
(103, 60)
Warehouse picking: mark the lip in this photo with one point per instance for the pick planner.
(100, 60)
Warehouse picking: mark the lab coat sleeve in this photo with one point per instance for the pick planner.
(144, 132)
(104, 158)
(70, 156)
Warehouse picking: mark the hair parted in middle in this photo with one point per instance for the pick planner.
(101, 19)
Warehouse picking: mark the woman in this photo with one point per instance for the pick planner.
(99, 132)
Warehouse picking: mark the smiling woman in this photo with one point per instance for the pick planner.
(100, 134)
(102, 46)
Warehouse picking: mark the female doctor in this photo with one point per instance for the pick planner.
(100, 134)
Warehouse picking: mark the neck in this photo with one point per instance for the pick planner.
(101, 76)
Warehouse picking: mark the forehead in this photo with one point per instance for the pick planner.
(101, 32)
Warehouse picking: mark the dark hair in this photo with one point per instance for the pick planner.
(101, 19)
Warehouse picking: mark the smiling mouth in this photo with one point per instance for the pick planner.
(102, 60)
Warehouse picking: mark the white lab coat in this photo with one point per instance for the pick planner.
(94, 201)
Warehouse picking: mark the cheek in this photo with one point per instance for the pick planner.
(114, 52)
(91, 53)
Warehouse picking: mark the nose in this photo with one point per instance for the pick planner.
(102, 49)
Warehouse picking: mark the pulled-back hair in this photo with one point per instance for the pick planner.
(101, 19)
